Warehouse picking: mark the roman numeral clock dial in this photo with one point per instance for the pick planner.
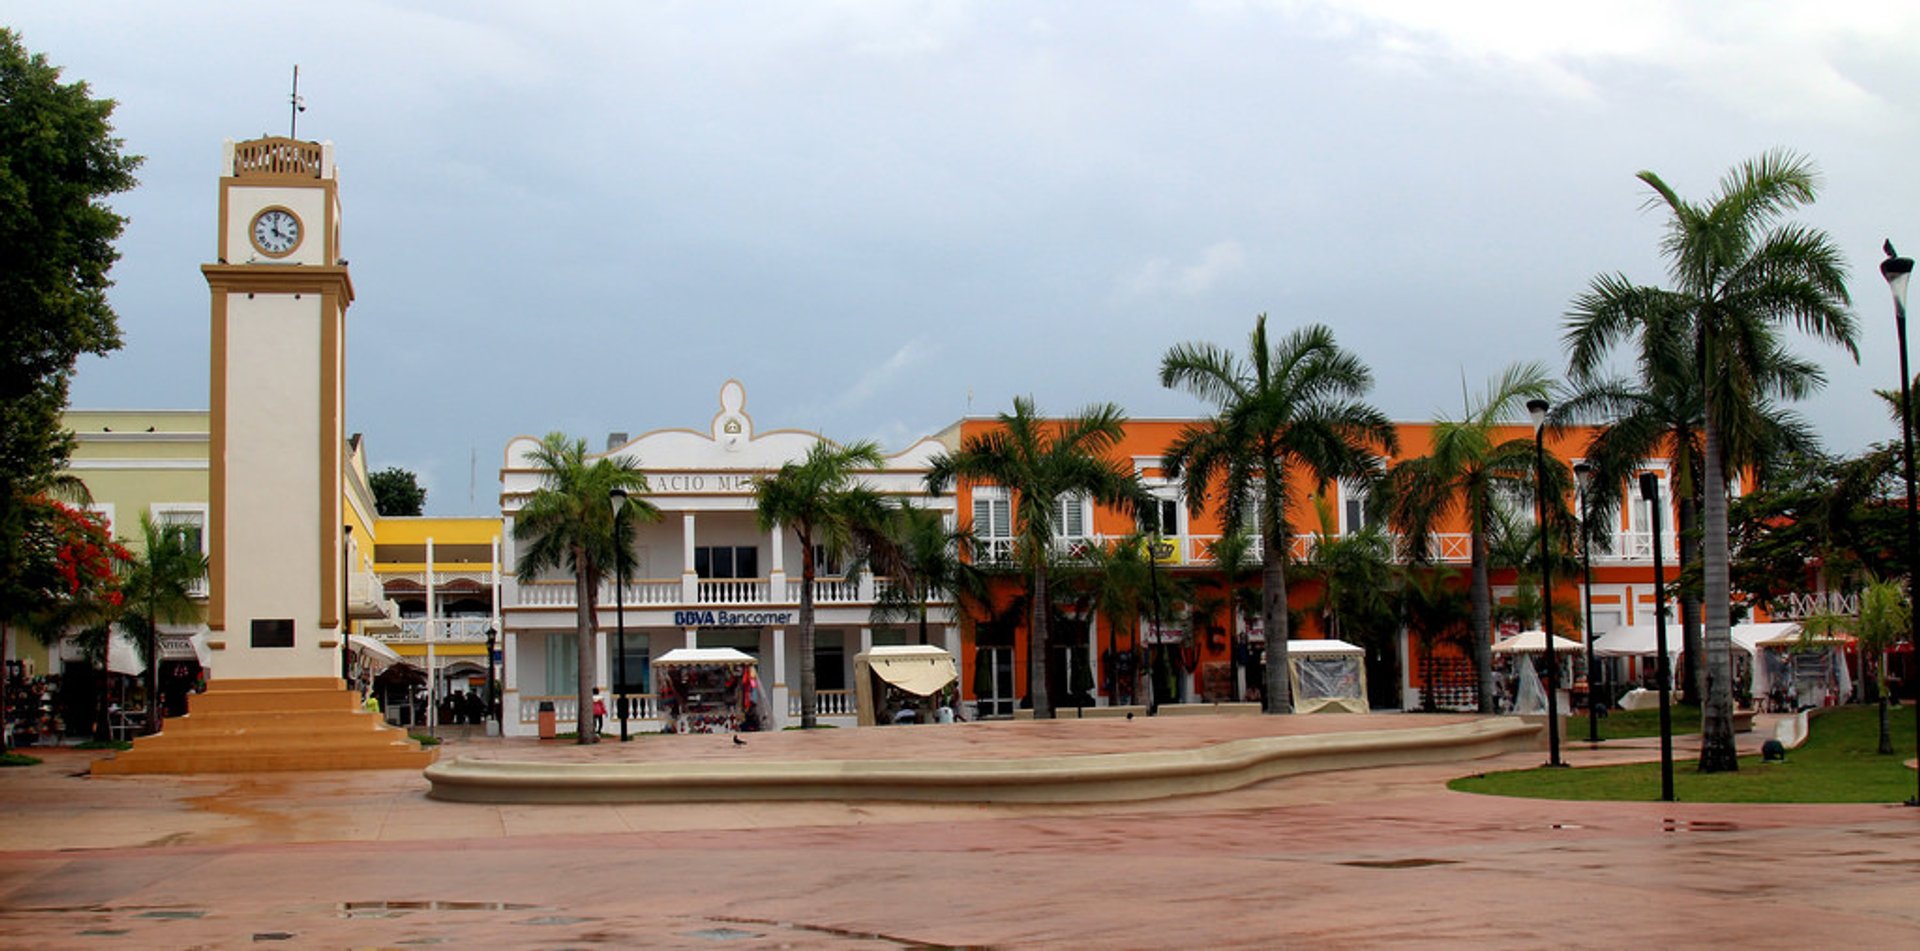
(275, 232)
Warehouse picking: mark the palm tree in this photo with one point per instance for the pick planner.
(1466, 472)
(158, 585)
(1739, 275)
(1293, 405)
(924, 558)
(568, 524)
(1118, 583)
(1043, 464)
(1662, 415)
(1435, 610)
(1232, 553)
(821, 501)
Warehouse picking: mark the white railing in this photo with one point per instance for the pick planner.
(826, 703)
(460, 630)
(641, 593)
(827, 590)
(640, 706)
(1638, 546)
(565, 709)
(198, 588)
(731, 591)
(482, 576)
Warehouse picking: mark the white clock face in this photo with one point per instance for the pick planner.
(276, 231)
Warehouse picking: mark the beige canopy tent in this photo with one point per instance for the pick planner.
(918, 670)
(377, 656)
(1327, 676)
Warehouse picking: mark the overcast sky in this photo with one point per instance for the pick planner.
(881, 216)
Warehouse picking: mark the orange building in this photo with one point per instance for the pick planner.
(1204, 649)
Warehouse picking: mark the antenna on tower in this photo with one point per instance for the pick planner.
(299, 105)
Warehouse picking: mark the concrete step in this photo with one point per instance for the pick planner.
(262, 700)
(276, 720)
(274, 760)
(301, 723)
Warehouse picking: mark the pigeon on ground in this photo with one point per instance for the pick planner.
(739, 742)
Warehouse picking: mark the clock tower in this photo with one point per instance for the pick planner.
(280, 295)
(275, 700)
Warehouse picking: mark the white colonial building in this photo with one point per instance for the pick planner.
(706, 576)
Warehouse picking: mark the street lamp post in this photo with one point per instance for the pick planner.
(1663, 664)
(1897, 270)
(1538, 410)
(619, 499)
(488, 713)
(1583, 476)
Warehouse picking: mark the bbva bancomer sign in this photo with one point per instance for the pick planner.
(730, 618)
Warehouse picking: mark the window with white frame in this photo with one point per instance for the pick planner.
(192, 519)
(993, 523)
(1353, 507)
(1165, 516)
(1070, 516)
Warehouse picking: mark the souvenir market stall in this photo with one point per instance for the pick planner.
(889, 681)
(1807, 671)
(709, 690)
(1327, 675)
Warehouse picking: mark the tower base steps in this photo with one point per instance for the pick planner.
(263, 725)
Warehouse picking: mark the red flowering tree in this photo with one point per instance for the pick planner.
(70, 582)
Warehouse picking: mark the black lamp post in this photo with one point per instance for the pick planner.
(1663, 665)
(1583, 475)
(1897, 270)
(619, 499)
(491, 634)
(1538, 410)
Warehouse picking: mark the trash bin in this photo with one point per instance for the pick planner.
(547, 729)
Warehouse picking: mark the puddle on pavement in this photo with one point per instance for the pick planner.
(1400, 863)
(819, 929)
(722, 934)
(394, 909)
(173, 915)
(1697, 825)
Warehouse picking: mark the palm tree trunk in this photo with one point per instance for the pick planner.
(1037, 642)
(154, 707)
(1717, 754)
(1481, 596)
(809, 682)
(1886, 737)
(1695, 685)
(583, 599)
(1273, 617)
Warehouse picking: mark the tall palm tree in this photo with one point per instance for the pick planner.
(1232, 554)
(1466, 472)
(1738, 275)
(1662, 414)
(568, 524)
(158, 585)
(822, 501)
(1291, 405)
(1043, 463)
(1117, 583)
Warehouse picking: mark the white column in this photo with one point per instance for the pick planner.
(689, 581)
(952, 638)
(600, 660)
(778, 695)
(778, 549)
(693, 637)
(866, 638)
(509, 684)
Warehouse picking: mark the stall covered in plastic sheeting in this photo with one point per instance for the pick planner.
(915, 670)
(123, 656)
(1327, 675)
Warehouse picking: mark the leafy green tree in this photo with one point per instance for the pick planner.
(823, 501)
(1232, 556)
(1739, 275)
(1292, 405)
(397, 492)
(1043, 463)
(568, 524)
(158, 585)
(59, 162)
(1466, 471)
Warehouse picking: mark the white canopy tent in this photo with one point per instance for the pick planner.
(1641, 641)
(1327, 675)
(376, 655)
(1535, 642)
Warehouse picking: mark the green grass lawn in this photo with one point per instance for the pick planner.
(1623, 724)
(1836, 764)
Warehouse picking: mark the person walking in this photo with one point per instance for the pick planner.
(599, 710)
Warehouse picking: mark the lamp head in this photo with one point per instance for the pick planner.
(1897, 270)
(1538, 410)
(1583, 474)
(618, 497)
(1649, 487)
